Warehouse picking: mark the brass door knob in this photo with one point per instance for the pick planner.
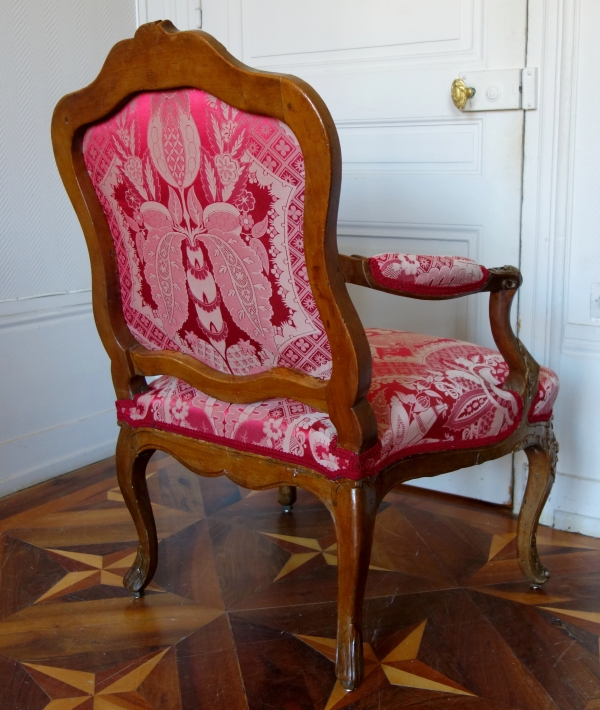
(461, 93)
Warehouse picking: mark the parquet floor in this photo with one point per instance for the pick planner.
(242, 612)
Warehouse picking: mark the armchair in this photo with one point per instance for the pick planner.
(207, 193)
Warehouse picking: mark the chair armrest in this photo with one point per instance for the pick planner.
(427, 277)
(443, 279)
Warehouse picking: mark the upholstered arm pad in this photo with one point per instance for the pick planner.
(427, 274)
(422, 276)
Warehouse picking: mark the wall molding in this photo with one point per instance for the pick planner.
(416, 128)
(50, 301)
(44, 310)
(547, 178)
(469, 234)
(581, 341)
(47, 316)
(325, 62)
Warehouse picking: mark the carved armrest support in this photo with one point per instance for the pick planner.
(523, 370)
(502, 284)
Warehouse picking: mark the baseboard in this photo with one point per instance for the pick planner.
(572, 505)
(573, 522)
(490, 482)
(23, 463)
(58, 410)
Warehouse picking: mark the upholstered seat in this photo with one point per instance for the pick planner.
(427, 393)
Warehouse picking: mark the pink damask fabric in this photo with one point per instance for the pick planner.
(543, 403)
(416, 273)
(205, 204)
(427, 393)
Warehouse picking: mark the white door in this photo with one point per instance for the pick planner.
(419, 175)
(184, 14)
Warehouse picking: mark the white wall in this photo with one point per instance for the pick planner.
(57, 409)
(561, 249)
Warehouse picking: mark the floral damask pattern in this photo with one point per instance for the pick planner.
(205, 204)
(427, 394)
(541, 407)
(441, 275)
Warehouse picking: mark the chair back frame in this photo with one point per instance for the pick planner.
(160, 58)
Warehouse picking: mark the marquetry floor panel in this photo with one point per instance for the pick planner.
(241, 614)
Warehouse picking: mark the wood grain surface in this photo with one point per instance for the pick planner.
(242, 610)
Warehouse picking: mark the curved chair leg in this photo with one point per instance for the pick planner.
(542, 467)
(131, 472)
(287, 497)
(354, 509)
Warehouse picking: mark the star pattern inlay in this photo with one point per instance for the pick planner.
(400, 667)
(117, 688)
(87, 570)
(305, 549)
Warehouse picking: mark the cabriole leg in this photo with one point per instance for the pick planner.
(542, 468)
(131, 472)
(354, 509)
(287, 497)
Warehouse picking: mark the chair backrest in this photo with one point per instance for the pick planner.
(205, 204)
(208, 195)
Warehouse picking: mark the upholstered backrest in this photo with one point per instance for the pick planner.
(205, 204)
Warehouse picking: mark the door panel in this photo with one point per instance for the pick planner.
(184, 14)
(314, 31)
(418, 175)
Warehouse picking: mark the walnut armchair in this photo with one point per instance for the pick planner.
(208, 196)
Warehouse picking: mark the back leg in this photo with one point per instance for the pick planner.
(131, 472)
(287, 497)
(542, 469)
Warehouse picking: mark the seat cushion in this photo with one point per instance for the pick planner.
(428, 394)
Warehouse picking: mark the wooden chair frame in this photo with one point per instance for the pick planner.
(160, 58)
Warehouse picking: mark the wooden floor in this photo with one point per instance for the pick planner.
(242, 612)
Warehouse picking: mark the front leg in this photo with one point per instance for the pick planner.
(354, 509)
(131, 473)
(542, 468)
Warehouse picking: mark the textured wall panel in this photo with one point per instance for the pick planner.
(46, 50)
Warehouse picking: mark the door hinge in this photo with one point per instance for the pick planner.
(199, 14)
(529, 88)
(502, 89)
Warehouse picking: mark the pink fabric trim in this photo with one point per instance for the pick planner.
(428, 394)
(427, 275)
